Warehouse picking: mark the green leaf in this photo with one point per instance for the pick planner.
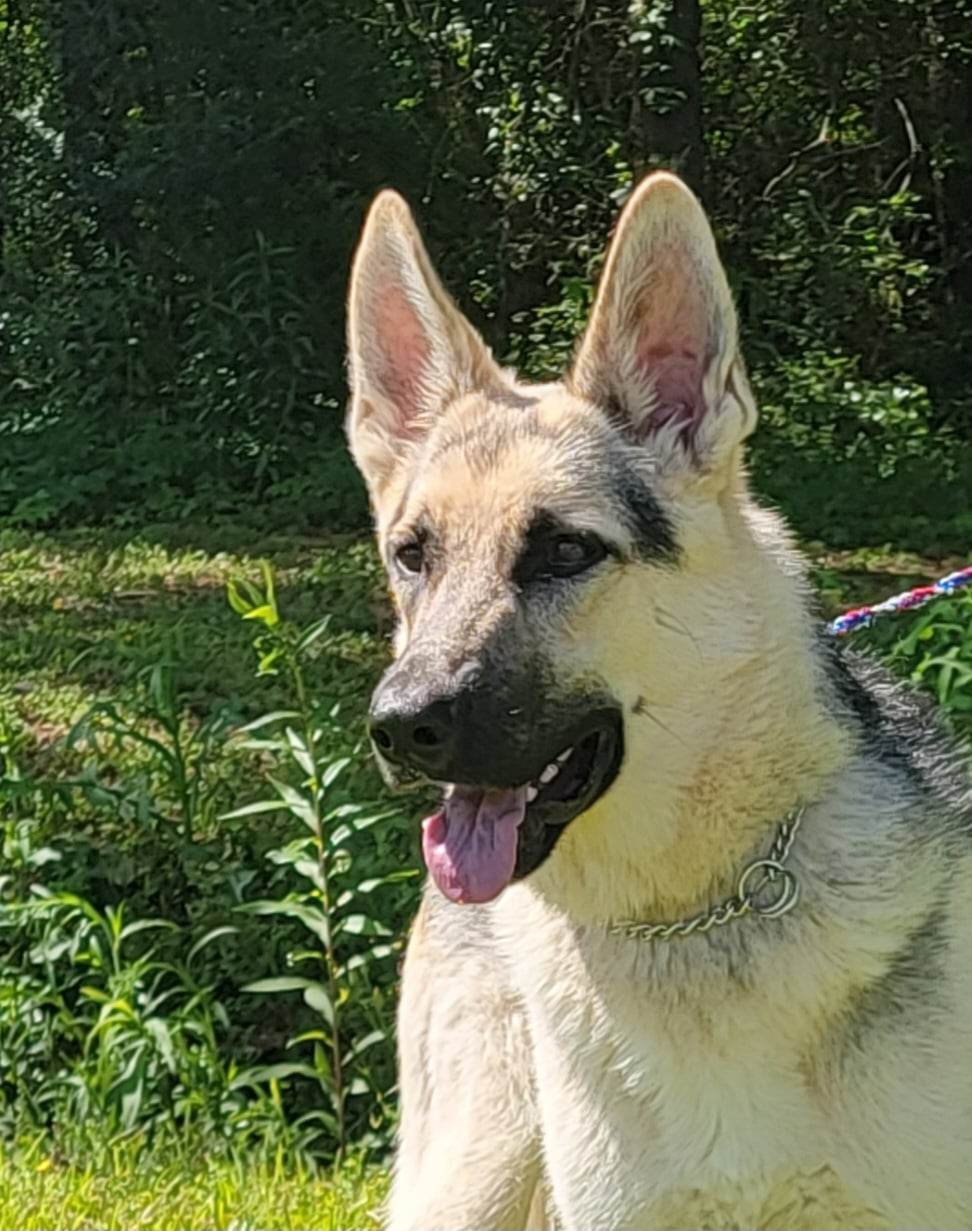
(265, 614)
(266, 719)
(309, 1036)
(146, 925)
(160, 1032)
(298, 804)
(267, 572)
(266, 664)
(334, 770)
(279, 983)
(309, 868)
(361, 925)
(292, 853)
(322, 1063)
(316, 996)
(357, 825)
(393, 878)
(362, 1045)
(313, 633)
(272, 1072)
(300, 753)
(43, 854)
(275, 744)
(213, 934)
(236, 600)
(314, 920)
(377, 953)
(263, 805)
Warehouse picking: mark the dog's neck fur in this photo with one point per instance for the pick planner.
(751, 735)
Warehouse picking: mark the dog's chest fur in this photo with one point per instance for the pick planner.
(691, 1105)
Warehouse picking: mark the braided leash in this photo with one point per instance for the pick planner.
(861, 617)
(770, 871)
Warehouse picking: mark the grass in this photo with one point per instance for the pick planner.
(84, 613)
(126, 1190)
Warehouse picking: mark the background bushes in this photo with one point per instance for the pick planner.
(182, 185)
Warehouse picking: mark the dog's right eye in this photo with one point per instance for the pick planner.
(569, 554)
(551, 553)
(410, 557)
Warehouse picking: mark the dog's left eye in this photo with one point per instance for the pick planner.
(410, 557)
(569, 554)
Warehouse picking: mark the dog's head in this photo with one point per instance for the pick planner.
(540, 540)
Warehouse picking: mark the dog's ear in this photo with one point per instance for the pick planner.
(410, 349)
(660, 351)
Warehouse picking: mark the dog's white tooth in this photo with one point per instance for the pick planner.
(550, 773)
(531, 794)
(565, 755)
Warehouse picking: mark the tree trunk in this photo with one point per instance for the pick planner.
(666, 128)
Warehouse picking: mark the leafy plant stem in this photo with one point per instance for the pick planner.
(330, 958)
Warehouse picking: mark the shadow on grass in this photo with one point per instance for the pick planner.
(239, 534)
(84, 614)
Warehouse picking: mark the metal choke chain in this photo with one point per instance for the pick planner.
(755, 877)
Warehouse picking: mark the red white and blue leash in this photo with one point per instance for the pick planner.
(861, 617)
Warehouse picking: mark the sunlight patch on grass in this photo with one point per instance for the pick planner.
(130, 1193)
(85, 613)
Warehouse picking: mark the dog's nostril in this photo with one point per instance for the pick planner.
(382, 739)
(427, 737)
(419, 738)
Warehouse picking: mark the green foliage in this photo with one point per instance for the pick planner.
(820, 408)
(338, 891)
(141, 876)
(163, 317)
(100, 1029)
(856, 462)
(182, 191)
(933, 647)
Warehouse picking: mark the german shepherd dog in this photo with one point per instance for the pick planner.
(607, 656)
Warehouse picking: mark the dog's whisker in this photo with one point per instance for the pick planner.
(669, 621)
(643, 711)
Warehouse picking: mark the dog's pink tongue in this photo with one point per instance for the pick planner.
(470, 844)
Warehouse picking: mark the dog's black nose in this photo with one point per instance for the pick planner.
(420, 739)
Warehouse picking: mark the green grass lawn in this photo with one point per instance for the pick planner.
(81, 612)
(125, 1192)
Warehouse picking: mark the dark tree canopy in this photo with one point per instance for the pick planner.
(183, 185)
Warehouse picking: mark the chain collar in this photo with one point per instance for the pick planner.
(755, 877)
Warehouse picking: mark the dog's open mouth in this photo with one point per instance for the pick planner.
(484, 837)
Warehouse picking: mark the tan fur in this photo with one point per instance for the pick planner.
(553, 1073)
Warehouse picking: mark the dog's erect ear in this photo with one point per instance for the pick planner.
(661, 349)
(410, 349)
